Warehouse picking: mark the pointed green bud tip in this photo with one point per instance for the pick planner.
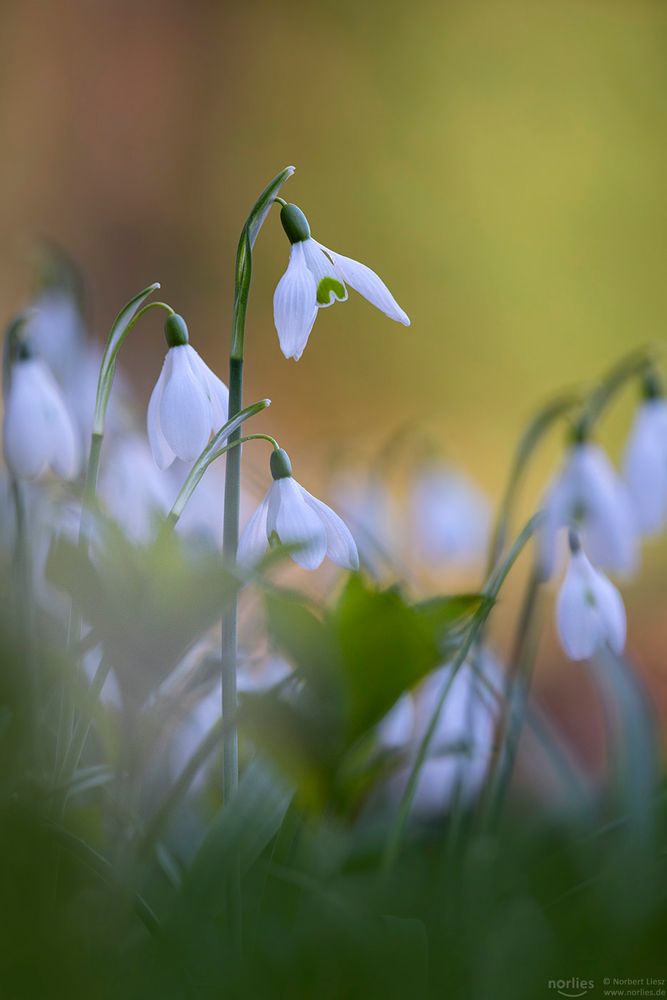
(652, 387)
(281, 467)
(175, 331)
(294, 223)
(579, 433)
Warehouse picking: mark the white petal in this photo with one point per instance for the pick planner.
(65, 457)
(341, 547)
(612, 612)
(577, 618)
(215, 389)
(321, 267)
(162, 453)
(185, 410)
(295, 523)
(295, 305)
(645, 466)
(367, 283)
(26, 437)
(254, 540)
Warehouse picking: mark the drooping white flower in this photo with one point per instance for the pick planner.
(645, 465)
(55, 330)
(293, 516)
(38, 432)
(316, 278)
(370, 511)
(188, 403)
(134, 491)
(462, 744)
(450, 518)
(589, 611)
(587, 494)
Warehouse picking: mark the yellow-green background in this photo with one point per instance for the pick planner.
(501, 164)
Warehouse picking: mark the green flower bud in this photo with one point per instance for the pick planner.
(294, 223)
(175, 331)
(281, 467)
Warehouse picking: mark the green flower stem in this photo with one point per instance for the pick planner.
(474, 630)
(230, 774)
(80, 734)
(634, 364)
(516, 699)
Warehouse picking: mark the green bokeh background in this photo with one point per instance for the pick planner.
(501, 164)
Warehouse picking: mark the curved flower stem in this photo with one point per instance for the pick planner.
(230, 539)
(632, 365)
(491, 591)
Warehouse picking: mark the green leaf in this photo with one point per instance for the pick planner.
(262, 206)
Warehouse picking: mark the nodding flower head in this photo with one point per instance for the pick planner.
(315, 278)
(38, 432)
(587, 494)
(589, 611)
(292, 516)
(645, 461)
(188, 403)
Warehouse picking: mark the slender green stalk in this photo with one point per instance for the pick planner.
(473, 632)
(230, 775)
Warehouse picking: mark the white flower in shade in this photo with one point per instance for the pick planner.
(188, 403)
(450, 518)
(645, 465)
(370, 512)
(462, 744)
(589, 611)
(55, 330)
(587, 494)
(315, 278)
(134, 491)
(294, 517)
(38, 432)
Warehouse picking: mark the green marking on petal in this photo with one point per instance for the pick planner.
(326, 287)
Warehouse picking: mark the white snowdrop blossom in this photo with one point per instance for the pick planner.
(645, 465)
(370, 512)
(38, 432)
(188, 403)
(450, 518)
(290, 514)
(134, 491)
(587, 494)
(589, 611)
(315, 278)
(55, 330)
(462, 744)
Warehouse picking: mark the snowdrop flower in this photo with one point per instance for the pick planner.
(315, 278)
(55, 330)
(645, 462)
(134, 491)
(462, 745)
(589, 609)
(294, 517)
(370, 512)
(38, 432)
(589, 495)
(188, 403)
(450, 518)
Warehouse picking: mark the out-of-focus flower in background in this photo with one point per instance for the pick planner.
(589, 610)
(589, 495)
(645, 465)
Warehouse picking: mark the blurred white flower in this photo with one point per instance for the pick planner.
(370, 512)
(589, 610)
(587, 494)
(315, 278)
(134, 491)
(295, 517)
(645, 465)
(188, 404)
(38, 432)
(450, 518)
(55, 330)
(462, 745)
